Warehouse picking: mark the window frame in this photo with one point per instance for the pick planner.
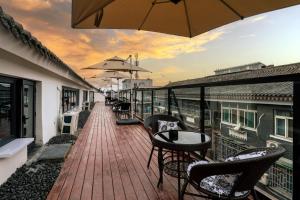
(72, 95)
(286, 132)
(238, 117)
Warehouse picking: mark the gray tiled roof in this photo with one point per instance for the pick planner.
(289, 69)
(17, 30)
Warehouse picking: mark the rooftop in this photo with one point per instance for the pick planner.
(250, 76)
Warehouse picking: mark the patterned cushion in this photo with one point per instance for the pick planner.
(166, 125)
(220, 184)
(247, 156)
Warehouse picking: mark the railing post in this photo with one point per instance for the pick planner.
(296, 140)
(142, 111)
(169, 101)
(202, 110)
(135, 95)
(152, 98)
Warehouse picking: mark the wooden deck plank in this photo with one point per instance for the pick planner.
(109, 162)
(126, 182)
(87, 188)
(98, 173)
(68, 173)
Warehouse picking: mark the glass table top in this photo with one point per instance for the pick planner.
(182, 137)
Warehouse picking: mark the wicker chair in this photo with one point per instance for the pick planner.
(122, 109)
(151, 125)
(243, 175)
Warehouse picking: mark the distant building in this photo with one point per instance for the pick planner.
(36, 87)
(137, 83)
(244, 116)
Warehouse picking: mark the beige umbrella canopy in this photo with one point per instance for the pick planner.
(111, 74)
(116, 64)
(100, 82)
(178, 17)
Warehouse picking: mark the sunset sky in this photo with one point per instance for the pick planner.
(270, 38)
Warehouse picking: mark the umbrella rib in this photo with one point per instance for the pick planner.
(187, 18)
(232, 10)
(147, 15)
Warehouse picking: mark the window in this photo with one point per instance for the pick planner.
(234, 116)
(91, 96)
(237, 116)
(283, 126)
(84, 96)
(70, 98)
(249, 119)
(226, 115)
(242, 117)
(5, 110)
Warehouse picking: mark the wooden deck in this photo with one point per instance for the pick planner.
(109, 162)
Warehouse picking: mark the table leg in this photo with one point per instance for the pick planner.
(160, 166)
(178, 173)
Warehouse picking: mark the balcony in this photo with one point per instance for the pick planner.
(109, 161)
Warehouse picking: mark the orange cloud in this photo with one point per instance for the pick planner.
(159, 46)
(29, 5)
(48, 22)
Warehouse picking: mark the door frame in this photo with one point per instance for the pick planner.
(33, 84)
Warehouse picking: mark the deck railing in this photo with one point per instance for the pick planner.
(237, 115)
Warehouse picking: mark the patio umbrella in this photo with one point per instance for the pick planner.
(177, 17)
(118, 64)
(112, 74)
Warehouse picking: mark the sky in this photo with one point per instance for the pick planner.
(270, 38)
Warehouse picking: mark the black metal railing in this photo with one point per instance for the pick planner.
(237, 115)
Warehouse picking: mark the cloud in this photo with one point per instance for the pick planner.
(29, 5)
(256, 19)
(248, 36)
(159, 46)
(49, 21)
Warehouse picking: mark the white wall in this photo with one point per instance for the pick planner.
(9, 165)
(48, 93)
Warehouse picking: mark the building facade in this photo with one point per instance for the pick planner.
(36, 87)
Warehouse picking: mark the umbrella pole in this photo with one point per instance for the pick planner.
(131, 87)
(118, 89)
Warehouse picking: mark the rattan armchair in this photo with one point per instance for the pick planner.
(122, 109)
(243, 175)
(151, 125)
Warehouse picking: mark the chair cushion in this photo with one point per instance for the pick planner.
(246, 156)
(221, 185)
(166, 125)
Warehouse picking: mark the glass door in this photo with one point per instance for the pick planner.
(28, 109)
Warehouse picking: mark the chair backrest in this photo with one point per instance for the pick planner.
(249, 170)
(256, 167)
(124, 106)
(151, 123)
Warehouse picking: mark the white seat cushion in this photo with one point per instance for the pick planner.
(166, 125)
(220, 184)
(246, 156)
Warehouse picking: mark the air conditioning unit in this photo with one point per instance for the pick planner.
(69, 123)
(272, 143)
(86, 105)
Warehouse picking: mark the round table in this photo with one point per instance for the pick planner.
(179, 141)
